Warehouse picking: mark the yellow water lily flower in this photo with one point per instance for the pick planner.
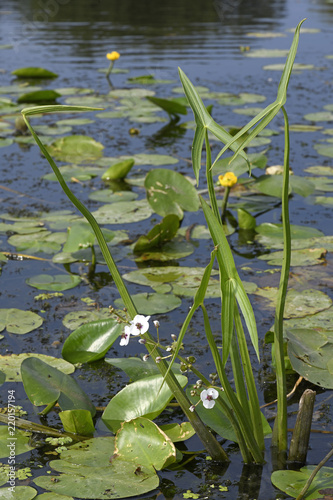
(113, 56)
(228, 180)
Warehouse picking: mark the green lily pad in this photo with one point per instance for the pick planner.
(297, 67)
(298, 127)
(322, 322)
(178, 432)
(39, 96)
(19, 493)
(169, 192)
(175, 249)
(137, 369)
(250, 111)
(324, 149)
(6, 46)
(118, 170)
(152, 303)
(319, 170)
(296, 232)
(151, 159)
(11, 364)
(292, 482)
(136, 92)
(91, 341)
(77, 422)
(109, 196)
(320, 116)
(77, 91)
(52, 129)
(75, 319)
(75, 149)
(142, 441)
(71, 122)
(298, 303)
(53, 496)
(266, 53)
(71, 173)
(272, 185)
(18, 321)
(5, 142)
(56, 283)
(45, 385)
(123, 213)
(21, 440)
(33, 72)
(39, 241)
(87, 472)
(87, 100)
(301, 257)
(322, 183)
(323, 200)
(239, 165)
(144, 398)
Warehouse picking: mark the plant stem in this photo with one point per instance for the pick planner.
(225, 202)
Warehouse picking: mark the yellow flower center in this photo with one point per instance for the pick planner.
(228, 180)
(113, 56)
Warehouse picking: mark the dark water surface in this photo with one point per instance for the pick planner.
(71, 37)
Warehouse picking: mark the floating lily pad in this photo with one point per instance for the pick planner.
(109, 196)
(320, 116)
(79, 91)
(39, 96)
(266, 53)
(178, 432)
(52, 129)
(322, 183)
(118, 93)
(322, 322)
(137, 369)
(56, 283)
(75, 319)
(298, 303)
(151, 159)
(265, 34)
(6, 46)
(301, 257)
(239, 166)
(323, 200)
(324, 149)
(18, 321)
(123, 213)
(248, 112)
(319, 170)
(304, 128)
(5, 142)
(169, 192)
(158, 235)
(297, 67)
(73, 173)
(87, 100)
(176, 249)
(87, 472)
(19, 493)
(75, 149)
(272, 185)
(292, 482)
(11, 364)
(33, 72)
(21, 439)
(152, 303)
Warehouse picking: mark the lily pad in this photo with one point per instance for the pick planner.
(320, 116)
(75, 319)
(169, 192)
(178, 432)
(19, 493)
(33, 72)
(11, 364)
(109, 196)
(175, 249)
(272, 185)
(297, 67)
(39, 96)
(75, 149)
(151, 159)
(56, 283)
(18, 321)
(152, 303)
(159, 234)
(292, 482)
(137, 369)
(324, 149)
(72, 173)
(21, 440)
(123, 213)
(322, 322)
(319, 170)
(301, 257)
(323, 200)
(266, 53)
(87, 472)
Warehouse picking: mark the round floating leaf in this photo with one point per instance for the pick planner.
(160, 234)
(72, 173)
(247, 97)
(322, 183)
(143, 442)
(75, 149)
(53, 496)
(52, 129)
(56, 283)
(108, 196)
(19, 493)
(75, 319)
(152, 303)
(292, 482)
(39, 96)
(239, 165)
(90, 474)
(275, 231)
(178, 432)
(118, 93)
(297, 67)
(118, 170)
(322, 322)
(5, 142)
(304, 128)
(169, 192)
(144, 398)
(18, 321)
(151, 159)
(324, 149)
(266, 53)
(136, 368)
(21, 439)
(44, 385)
(11, 364)
(91, 341)
(248, 112)
(323, 200)
(319, 170)
(272, 185)
(34, 73)
(176, 249)
(320, 116)
(301, 257)
(123, 213)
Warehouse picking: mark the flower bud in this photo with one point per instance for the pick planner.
(173, 336)
(158, 359)
(145, 357)
(156, 323)
(192, 408)
(142, 341)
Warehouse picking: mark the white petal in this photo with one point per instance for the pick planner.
(124, 340)
(204, 395)
(213, 393)
(209, 404)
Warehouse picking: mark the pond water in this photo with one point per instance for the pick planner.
(217, 45)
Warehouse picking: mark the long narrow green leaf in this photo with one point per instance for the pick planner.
(210, 183)
(251, 446)
(281, 434)
(271, 110)
(229, 273)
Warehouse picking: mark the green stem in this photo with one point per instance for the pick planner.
(210, 183)
(208, 440)
(279, 439)
(313, 475)
(110, 68)
(225, 202)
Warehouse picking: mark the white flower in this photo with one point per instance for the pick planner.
(156, 323)
(192, 408)
(207, 397)
(125, 336)
(139, 324)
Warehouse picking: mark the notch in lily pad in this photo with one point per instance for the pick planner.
(34, 72)
(118, 170)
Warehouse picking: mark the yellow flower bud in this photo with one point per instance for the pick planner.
(113, 56)
(228, 180)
